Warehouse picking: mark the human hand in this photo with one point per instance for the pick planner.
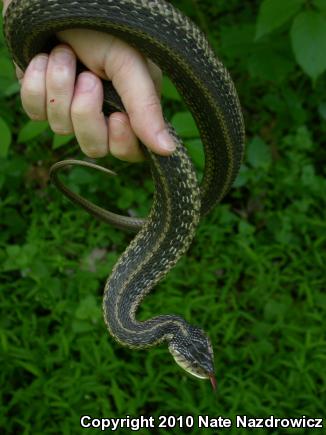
(50, 91)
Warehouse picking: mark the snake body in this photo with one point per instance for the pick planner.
(181, 50)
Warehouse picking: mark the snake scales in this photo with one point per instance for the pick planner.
(173, 42)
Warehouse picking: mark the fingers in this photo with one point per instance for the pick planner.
(136, 80)
(33, 90)
(60, 82)
(49, 91)
(123, 141)
(132, 79)
(87, 117)
(48, 86)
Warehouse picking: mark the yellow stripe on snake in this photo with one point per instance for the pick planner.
(176, 44)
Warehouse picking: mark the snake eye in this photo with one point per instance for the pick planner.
(191, 367)
(193, 352)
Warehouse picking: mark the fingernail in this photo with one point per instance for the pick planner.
(40, 63)
(62, 57)
(165, 141)
(86, 82)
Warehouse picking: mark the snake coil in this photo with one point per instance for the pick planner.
(181, 50)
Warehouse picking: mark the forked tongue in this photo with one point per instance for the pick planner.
(213, 381)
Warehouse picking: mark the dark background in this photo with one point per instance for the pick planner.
(254, 277)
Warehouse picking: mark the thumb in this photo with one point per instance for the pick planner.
(113, 59)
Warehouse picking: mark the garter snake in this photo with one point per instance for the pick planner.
(181, 50)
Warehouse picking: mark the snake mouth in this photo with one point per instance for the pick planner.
(192, 369)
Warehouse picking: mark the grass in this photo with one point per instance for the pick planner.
(254, 277)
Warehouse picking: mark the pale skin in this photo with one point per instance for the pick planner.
(50, 91)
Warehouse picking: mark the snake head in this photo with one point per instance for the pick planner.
(192, 350)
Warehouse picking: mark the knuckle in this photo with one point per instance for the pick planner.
(124, 64)
(150, 104)
(79, 112)
(60, 84)
(31, 91)
(124, 151)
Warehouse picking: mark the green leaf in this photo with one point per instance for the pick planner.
(7, 76)
(308, 36)
(321, 5)
(258, 153)
(196, 152)
(242, 177)
(5, 138)
(88, 309)
(269, 64)
(185, 125)
(12, 89)
(31, 130)
(274, 13)
(59, 141)
(236, 41)
(33, 369)
(80, 176)
(6, 69)
(169, 91)
(126, 199)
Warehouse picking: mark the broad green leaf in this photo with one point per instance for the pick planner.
(196, 152)
(275, 13)
(258, 153)
(321, 5)
(6, 69)
(242, 177)
(7, 76)
(80, 176)
(59, 141)
(5, 138)
(12, 89)
(269, 64)
(294, 104)
(308, 36)
(185, 125)
(236, 41)
(88, 309)
(126, 199)
(31, 130)
(303, 139)
(169, 91)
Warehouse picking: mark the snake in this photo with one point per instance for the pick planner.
(176, 44)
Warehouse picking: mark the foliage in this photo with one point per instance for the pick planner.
(307, 21)
(254, 277)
